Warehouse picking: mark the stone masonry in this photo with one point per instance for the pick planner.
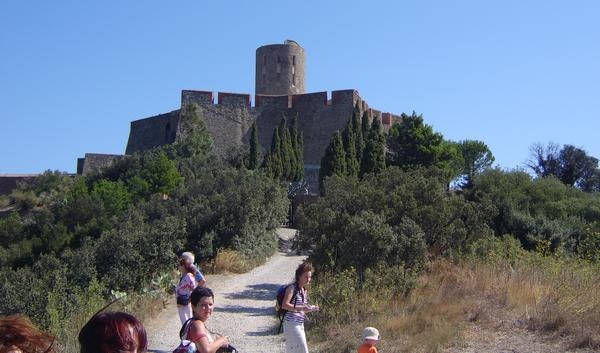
(279, 74)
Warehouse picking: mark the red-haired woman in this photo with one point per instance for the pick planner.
(184, 289)
(295, 301)
(18, 335)
(113, 332)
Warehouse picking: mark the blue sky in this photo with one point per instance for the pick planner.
(74, 74)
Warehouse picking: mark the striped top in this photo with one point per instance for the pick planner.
(299, 300)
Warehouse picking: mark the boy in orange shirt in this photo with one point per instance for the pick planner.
(370, 338)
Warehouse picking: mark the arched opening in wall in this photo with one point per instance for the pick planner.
(168, 132)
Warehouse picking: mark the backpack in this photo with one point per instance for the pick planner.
(279, 302)
(185, 346)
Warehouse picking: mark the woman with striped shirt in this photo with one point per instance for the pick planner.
(295, 301)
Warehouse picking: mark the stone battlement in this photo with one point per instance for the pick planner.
(294, 101)
(229, 117)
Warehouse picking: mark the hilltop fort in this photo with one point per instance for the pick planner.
(279, 92)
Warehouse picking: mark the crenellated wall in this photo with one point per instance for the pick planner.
(230, 119)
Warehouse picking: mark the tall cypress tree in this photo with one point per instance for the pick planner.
(284, 150)
(373, 160)
(277, 165)
(359, 139)
(253, 158)
(352, 166)
(366, 127)
(298, 164)
(300, 153)
(334, 160)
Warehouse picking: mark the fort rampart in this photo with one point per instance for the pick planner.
(230, 116)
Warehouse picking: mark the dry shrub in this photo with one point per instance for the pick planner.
(228, 260)
(546, 294)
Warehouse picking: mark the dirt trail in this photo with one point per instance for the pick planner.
(244, 307)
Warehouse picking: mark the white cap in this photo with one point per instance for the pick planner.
(370, 333)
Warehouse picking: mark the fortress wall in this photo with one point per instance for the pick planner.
(386, 119)
(198, 97)
(348, 96)
(309, 100)
(94, 162)
(234, 99)
(9, 182)
(227, 124)
(155, 131)
(281, 102)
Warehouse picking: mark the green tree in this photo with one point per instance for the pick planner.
(570, 164)
(334, 160)
(160, 172)
(285, 150)
(477, 158)
(275, 164)
(193, 139)
(297, 150)
(349, 140)
(253, 162)
(412, 142)
(373, 160)
(359, 139)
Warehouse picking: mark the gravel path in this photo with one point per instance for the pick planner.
(244, 307)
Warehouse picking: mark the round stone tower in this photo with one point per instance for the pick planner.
(280, 69)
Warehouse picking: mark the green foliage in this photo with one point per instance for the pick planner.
(412, 142)
(334, 160)
(237, 209)
(112, 195)
(477, 158)
(398, 215)
(373, 159)
(571, 165)
(543, 209)
(193, 140)
(254, 157)
(358, 132)
(73, 241)
(343, 298)
(349, 139)
(588, 247)
(140, 245)
(11, 229)
(285, 162)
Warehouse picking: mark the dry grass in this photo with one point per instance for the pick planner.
(556, 298)
(230, 261)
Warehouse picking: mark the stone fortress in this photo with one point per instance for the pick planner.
(279, 92)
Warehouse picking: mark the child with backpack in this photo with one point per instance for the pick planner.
(295, 304)
(370, 339)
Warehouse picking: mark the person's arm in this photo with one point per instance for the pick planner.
(288, 304)
(199, 335)
(200, 279)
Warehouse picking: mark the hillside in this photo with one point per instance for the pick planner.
(244, 312)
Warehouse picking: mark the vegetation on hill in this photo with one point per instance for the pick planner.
(71, 245)
(414, 234)
(436, 240)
